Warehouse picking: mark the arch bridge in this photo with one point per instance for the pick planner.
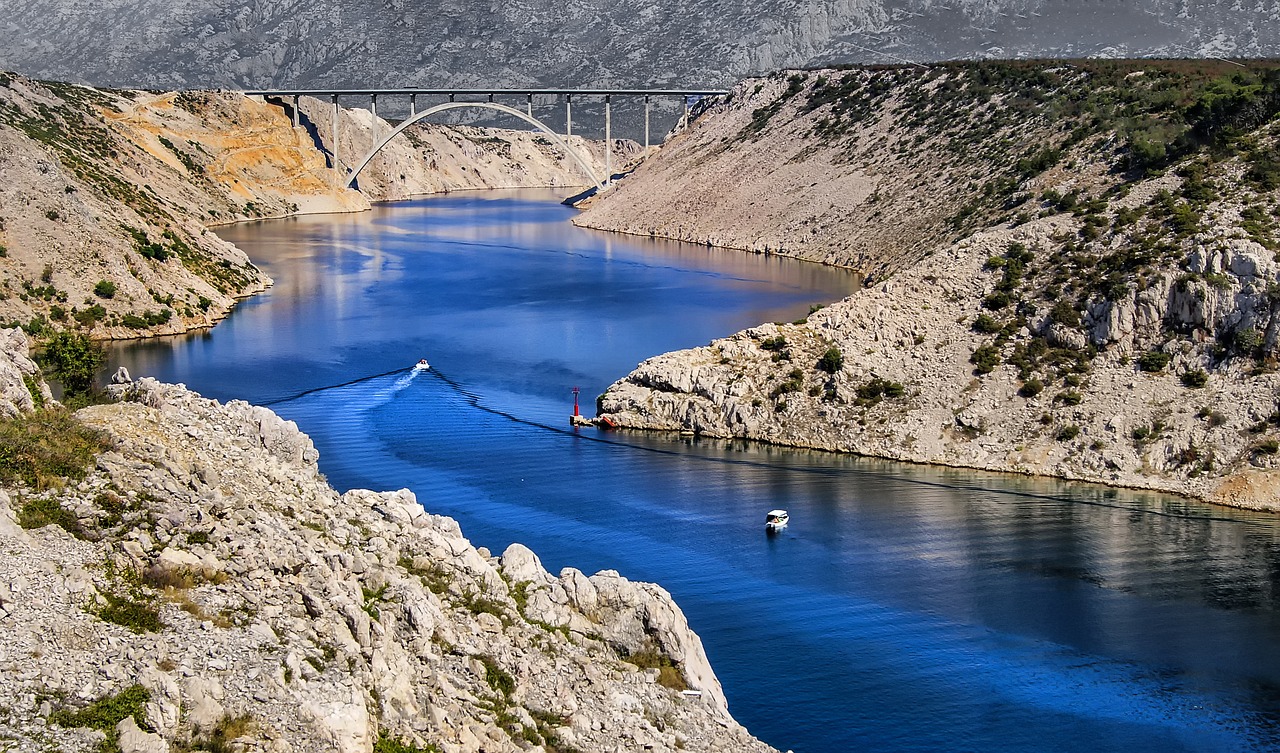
(466, 99)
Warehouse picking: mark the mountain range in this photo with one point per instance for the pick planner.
(169, 44)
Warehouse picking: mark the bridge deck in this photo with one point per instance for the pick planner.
(486, 92)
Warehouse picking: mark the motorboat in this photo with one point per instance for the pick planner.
(776, 520)
(422, 365)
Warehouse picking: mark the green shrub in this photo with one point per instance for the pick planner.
(985, 359)
(1153, 361)
(498, 678)
(832, 360)
(775, 344)
(137, 616)
(1068, 433)
(106, 712)
(1246, 340)
(387, 744)
(38, 513)
(1195, 379)
(40, 448)
(1069, 397)
(871, 392)
(1267, 447)
(1065, 314)
(794, 383)
(986, 324)
(105, 289)
(1031, 388)
(996, 301)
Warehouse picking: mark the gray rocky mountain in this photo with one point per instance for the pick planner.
(259, 43)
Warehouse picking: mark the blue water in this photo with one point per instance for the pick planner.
(904, 609)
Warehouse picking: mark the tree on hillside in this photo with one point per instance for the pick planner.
(74, 360)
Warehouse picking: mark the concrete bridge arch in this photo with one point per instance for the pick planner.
(558, 140)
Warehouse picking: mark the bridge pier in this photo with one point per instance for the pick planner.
(646, 125)
(295, 110)
(413, 105)
(337, 164)
(568, 114)
(529, 106)
(608, 146)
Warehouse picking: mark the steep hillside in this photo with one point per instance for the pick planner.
(104, 229)
(108, 195)
(871, 168)
(199, 586)
(1098, 302)
(257, 43)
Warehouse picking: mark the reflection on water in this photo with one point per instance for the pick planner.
(904, 608)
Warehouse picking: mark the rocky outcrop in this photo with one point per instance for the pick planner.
(908, 388)
(218, 588)
(1093, 303)
(21, 387)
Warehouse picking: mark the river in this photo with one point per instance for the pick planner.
(905, 608)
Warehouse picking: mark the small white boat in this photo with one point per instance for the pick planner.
(776, 520)
(422, 365)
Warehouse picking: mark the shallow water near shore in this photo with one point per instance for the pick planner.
(905, 608)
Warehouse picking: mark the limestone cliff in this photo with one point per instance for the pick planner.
(1098, 302)
(203, 585)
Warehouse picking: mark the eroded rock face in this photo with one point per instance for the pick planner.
(1122, 426)
(18, 375)
(329, 620)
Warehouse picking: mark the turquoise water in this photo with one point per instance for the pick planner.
(904, 608)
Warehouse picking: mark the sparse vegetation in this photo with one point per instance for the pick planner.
(386, 744)
(1153, 361)
(1195, 378)
(138, 614)
(669, 675)
(105, 713)
(219, 738)
(40, 449)
(41, 512)
(832, 360)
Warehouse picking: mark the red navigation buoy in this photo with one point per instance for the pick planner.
(575, 400)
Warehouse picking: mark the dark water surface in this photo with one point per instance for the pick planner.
(905, 608)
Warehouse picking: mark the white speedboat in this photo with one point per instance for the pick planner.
(776, 520)
(422, 365)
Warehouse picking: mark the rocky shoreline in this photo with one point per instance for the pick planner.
(204, 578)
(1055, 313)
(907, 388)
